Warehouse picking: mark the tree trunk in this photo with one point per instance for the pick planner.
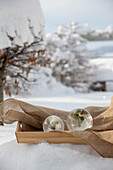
(1, 90)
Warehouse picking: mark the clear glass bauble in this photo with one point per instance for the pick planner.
(79, 120)
(53, 123)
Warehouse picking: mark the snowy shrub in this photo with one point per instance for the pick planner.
(66, 49)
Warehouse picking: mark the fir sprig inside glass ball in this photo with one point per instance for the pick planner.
(79, 119)
(53, 123)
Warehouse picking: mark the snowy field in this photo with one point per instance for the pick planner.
(46, 156)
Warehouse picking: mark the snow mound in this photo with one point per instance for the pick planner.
(49, 86)
(46, 156)
(20, 22)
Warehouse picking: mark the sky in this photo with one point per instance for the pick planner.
(97, 13)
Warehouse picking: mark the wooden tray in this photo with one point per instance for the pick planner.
(50, 137)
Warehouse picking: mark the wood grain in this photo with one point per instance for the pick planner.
(50, 137)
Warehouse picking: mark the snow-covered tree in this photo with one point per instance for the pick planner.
(70, 66)
(21, 43)
(92, 35)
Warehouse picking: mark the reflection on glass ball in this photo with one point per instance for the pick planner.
(79, 119)
(53, 123)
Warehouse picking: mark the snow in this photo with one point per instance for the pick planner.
(102, 58)
(109, 29)
(21, 20)
(47, 85)
(103, 75)
(7, 133)
(68, 101)
(109, 86)
(46, 156)
(82, 30)
(104, 71)
(86, 31)
(106, 33)
(95, 45)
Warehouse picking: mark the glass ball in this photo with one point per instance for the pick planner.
(53, 123)
(79, 120)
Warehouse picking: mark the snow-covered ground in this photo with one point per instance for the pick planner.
(46, 156)
(69, 102)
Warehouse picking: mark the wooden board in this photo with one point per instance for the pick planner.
(51, 137)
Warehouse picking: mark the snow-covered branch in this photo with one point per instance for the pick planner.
(21, 42)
